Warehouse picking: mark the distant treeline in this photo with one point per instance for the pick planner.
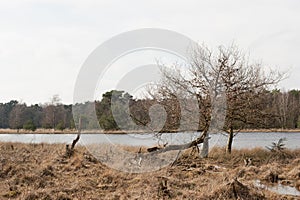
(282, 111)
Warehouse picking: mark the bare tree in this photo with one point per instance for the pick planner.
(196, 87)
(16, 119)
(246, 84)
(211, 74)
(51, 112)
(286, 107)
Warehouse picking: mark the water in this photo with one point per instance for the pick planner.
(242, 140)
(279, 188)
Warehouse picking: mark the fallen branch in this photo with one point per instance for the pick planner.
(156, 148)
(194, 143)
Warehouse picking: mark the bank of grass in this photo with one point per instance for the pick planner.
(37, 131)
(96, 131)
(282, 130)
(41, 171)
(67, 131)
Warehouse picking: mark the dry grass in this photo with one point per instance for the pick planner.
(41, 171)
(37, 131)
(97, 131)
(68, 131)
(271, 130)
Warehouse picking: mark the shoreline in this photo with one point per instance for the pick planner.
(73, 131)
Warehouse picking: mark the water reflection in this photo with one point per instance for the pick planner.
(279, 188)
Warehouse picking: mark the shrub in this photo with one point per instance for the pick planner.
(29, 125)
(60, 126)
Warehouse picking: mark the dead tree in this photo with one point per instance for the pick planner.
(70, 150)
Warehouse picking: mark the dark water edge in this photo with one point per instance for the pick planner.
(242, 140)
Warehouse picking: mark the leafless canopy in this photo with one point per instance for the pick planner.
(210, 75)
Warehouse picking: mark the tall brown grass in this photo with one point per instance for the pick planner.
(41, 171)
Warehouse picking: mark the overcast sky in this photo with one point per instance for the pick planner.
(44, 43)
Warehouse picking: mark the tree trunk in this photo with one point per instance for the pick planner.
(205, 147)
(230, 140)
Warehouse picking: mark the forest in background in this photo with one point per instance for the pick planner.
(282, 110)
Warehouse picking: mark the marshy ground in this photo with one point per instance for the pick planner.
(42, 171)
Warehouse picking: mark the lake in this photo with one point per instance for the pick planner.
(242, 140)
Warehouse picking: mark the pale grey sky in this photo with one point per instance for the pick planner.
(44, 43)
